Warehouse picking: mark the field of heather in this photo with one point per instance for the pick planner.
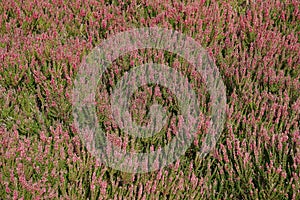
(255, 46)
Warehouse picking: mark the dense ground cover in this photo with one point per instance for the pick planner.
(256, 46)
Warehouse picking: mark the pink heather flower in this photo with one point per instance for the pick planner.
(181, 181)
(191, 166)
(246, 158)
(154, 187)
(169, 135)
(104, 23)
(148, 186)
(15, 197)
(225, 156)
(159, 175)
(196, 142)
(92, 186)
(140, 192)
(177, 164)
(157, 92)
(7, 190)
(116, 141)
(279, 170)
(283, 174)
(279, 146)
(228, 143)
(12, 176)
(144, 197)
(194, 179)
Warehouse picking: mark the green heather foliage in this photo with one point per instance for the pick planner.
(255, 45)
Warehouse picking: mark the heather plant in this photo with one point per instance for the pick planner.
(254, 44)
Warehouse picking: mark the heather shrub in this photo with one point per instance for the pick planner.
(254, 44)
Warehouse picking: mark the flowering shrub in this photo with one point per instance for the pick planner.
(256, 46)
